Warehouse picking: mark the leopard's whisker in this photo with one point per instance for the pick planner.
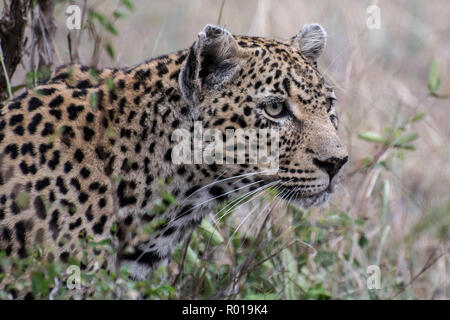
(252, 195)
(244, 196)
(280, 196)
(269, 205)
(219, 196)
(226, 179)
(231, 237)
(261, 211)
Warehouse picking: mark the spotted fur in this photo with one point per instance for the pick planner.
(86, 156)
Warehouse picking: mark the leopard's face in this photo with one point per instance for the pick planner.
(276, 86)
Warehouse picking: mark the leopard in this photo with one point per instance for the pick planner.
(85, 156)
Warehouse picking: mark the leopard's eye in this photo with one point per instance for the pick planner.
(275, 109)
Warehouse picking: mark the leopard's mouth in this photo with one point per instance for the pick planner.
(307, 201)
(303, 195)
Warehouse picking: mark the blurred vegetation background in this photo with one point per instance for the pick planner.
(392, 210)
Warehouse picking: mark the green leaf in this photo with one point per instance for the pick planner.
(408, 147)
(191, 259)
(18, 87)
(23, 200)
(39, 283)
(110, 84)
(110, 50)
(110, 133)
(93, 100)
(346, 218)
(94, 15)
(165, 289)
(400, 155)
(208, 286)
(210, 233)
(363, 241)
(406, 139)
(159, 206)
(128, 4)
(371, 137)
(326, 258)
(117, 14)
(111, 29)
(433, 77)
(418, 117)
(318, 292)
(118, 178)
(100, 243)
(93, 73)
(167, 196)
(105, 23)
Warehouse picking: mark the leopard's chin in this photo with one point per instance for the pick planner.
(311, 201)
(305, 198)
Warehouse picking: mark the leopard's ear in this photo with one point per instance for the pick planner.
(311, 41)
(213, 61)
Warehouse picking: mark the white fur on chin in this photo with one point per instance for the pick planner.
(315, 200)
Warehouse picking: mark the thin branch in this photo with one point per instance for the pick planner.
(199, 285)
(439, 96)
(374, 161)
(5, 73)
(277, 252)
(243, 268)
(183, 258)
(219, 19)
(13, 21)
(69, 46)
(430, 262)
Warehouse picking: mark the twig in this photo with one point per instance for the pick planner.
(439, 96)
(375, 160)
(243, 268)
(254, 266)
(47, 30)
(219, 19)
(13, 20)
(69, 45)
(183, 258)
(75, 56)
(228, 249)
(158, 38)
(430, 262)
(83, 15)
(8, 83)
(200, 282)
(95, 58)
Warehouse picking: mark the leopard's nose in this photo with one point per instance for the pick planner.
(331, 165)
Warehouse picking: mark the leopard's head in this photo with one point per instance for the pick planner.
(254, 84)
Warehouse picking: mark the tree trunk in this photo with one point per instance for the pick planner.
(12, 27)
(15, 17)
